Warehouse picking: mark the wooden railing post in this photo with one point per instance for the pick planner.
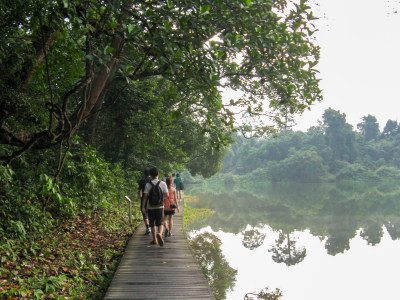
(130, 209)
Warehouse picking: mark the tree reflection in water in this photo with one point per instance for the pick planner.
(372, 232)
(221, 277)
(285, 250)
(335, 213)
(253, 239)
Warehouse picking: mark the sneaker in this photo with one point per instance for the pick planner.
(154, 242)
(160, 239)
(166, 232)
(147, 231)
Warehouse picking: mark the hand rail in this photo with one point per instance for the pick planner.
(130, 209)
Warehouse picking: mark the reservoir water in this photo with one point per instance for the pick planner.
(310, 241)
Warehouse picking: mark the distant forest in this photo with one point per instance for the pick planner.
(332, 151)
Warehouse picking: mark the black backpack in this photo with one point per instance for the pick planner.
(155, 195)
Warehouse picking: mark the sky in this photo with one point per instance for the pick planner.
(360, 60)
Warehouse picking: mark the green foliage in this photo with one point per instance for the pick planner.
(355, 172)
(60, 61)
(74, 260)
(369, 127)
(300, 166)
(329, 152)
(264, 294)
(339, 135)
(144, 129)
(33, 201)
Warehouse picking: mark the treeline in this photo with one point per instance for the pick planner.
(332, 151)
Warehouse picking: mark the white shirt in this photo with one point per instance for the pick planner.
(147, 189)
(173, 183)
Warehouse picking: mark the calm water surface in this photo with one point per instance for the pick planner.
(314, 241)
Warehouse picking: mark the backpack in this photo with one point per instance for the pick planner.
(155, 195)
(168, 202)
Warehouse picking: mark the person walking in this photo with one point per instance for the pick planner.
(177, 182)
(165, 178)
(170, 204)
(141, 185)
(154, 194)
(173, 180)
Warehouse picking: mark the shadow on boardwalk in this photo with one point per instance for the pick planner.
(153, 272)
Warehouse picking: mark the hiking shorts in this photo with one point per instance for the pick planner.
(169, 212)
(156, 217)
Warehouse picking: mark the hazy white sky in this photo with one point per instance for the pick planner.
(360, 60)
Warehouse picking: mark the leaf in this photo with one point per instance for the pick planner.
(129, 68)
(108, 50)
(204, 9)
(167, 25)
(130, 28)
(248, 2)
(169, 3)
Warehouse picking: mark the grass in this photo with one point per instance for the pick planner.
(193, 214)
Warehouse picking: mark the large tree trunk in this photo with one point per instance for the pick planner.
(90, 128)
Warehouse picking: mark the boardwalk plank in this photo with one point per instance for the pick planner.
(154, 272)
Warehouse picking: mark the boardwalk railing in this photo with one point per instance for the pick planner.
(153, 272)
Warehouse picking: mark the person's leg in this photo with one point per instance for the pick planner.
(153, 233)
(171, 225)
(159, 223)
(178, 195)
(152, 220)
(165, 225)
(147, 223)
(145, 219)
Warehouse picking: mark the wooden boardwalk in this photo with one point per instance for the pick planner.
(153, 272)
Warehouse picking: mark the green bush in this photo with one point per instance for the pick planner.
(31, 200)
(356, 172)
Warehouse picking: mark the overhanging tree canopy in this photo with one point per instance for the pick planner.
(58, 58)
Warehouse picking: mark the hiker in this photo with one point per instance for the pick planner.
(141, 185)
(173, 180)
(170, 204)
(154, 194)
(178, 181)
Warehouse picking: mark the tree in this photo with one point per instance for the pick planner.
(339, 135)
(142, 128)
(59, 58)
(303, 166)
(390, 129)
(369, 127)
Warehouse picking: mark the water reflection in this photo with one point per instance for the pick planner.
(220, 275)
(334, 213)
(253, 239)
(285, 250)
